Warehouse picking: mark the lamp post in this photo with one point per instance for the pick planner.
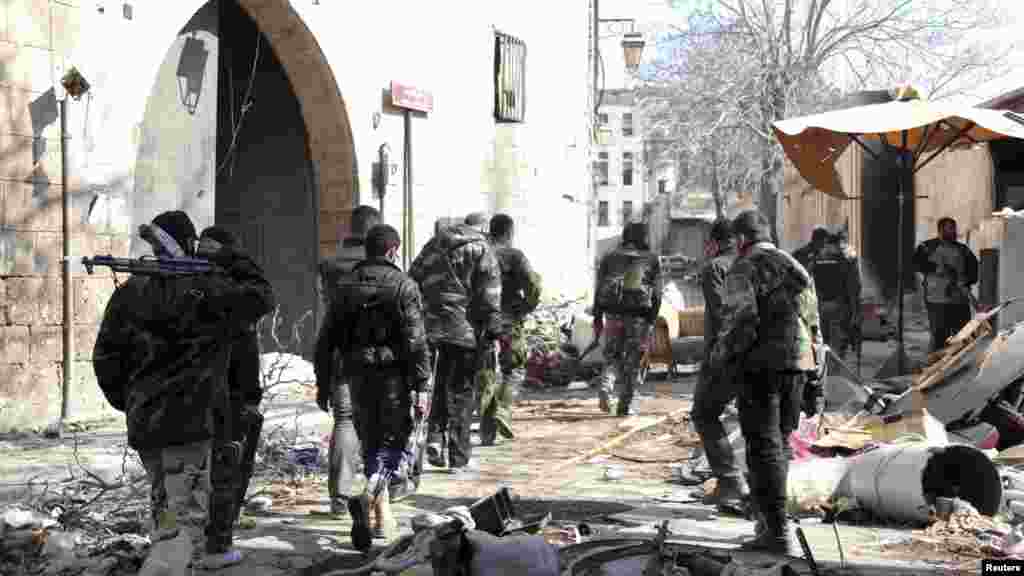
(75, 86)
(632, 47)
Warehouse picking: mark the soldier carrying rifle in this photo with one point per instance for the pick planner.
(162, 358)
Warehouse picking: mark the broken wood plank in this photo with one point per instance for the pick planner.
(618, 440)
(936, 376)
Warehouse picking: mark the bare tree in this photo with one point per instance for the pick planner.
(739, 65)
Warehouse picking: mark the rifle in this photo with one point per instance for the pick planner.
(252, 426)
(153, 266)
(416, 441)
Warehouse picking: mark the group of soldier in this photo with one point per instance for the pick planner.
(403, 352)
(419, 350)
(179, 355)
(770, 320)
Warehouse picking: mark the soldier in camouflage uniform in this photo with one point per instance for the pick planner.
(335, 395)
(460, 280)
(628, 297)
(171, 381)
(770, 339)
(229, 476)
(520, 294)
(375, 321)
(712, 394)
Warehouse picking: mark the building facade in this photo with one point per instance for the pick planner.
(630, 179)
(274, 119)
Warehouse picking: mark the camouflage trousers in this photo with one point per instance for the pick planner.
(499, 385)
(627, 340)
(180, 493)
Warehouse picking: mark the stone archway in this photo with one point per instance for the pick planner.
(331, 144)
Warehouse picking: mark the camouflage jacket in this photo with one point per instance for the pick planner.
(381, 281)
(949, 270)
(771, 314)
(163, 350)
(652, 280)
(460, 279)
(712, 281)
(520, 285)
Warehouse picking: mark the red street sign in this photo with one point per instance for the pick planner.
(411, 97)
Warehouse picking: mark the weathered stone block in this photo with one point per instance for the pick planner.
(47, 251)
(51, 300)
(8, 247)
(28, 22)
(46, 344)
(91, 296)
(29, 396)
(13, 344)
(85, 341)
(23, 294)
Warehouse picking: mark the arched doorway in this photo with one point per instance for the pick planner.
(246, 128)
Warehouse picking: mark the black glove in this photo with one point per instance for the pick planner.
(814, 399)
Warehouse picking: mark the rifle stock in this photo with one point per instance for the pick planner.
(152, 266)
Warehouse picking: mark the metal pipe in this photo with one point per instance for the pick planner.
(901, 197)
(68, 289)
(408, 240)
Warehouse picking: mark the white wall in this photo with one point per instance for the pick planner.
(462, 161)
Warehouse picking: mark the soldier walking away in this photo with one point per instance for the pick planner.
(808, 252)
(520, 294)
(460, 280)
(232, 463)
(161, 357)
(770, 334)
(837, 283)
(375, 321)
(950, 269)
(334, 395)
(628, 297)
(715, 391)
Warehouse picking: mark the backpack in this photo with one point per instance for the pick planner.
(371, 310)
(624, 287)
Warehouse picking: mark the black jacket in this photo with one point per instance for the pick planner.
(163, 349)
(382, 286)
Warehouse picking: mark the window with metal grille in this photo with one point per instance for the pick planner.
(509, 78)
(602, 213)
(627, 168)
(601, 169)
(662, 186)
(627, 211)
(627, 124)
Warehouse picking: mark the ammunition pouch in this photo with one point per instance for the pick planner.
(373, 357)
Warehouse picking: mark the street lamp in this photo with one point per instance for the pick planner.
(633, 49)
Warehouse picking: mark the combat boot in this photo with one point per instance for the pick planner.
(383, 524)
(777, 539)
(625, 407)
(732, 495)
(603, 401)
(435, 455)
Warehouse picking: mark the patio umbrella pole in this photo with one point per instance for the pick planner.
(901, 198)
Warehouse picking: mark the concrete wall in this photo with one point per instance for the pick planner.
(131, 144)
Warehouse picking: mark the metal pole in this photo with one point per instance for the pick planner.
(901, 198)
(592, 204)
(69, 312)
(407, 195)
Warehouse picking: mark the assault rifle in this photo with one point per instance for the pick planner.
(153, 266)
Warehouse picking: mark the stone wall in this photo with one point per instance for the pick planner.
(36, 38)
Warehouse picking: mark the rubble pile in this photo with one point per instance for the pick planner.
(33, 542)
(551, 360)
